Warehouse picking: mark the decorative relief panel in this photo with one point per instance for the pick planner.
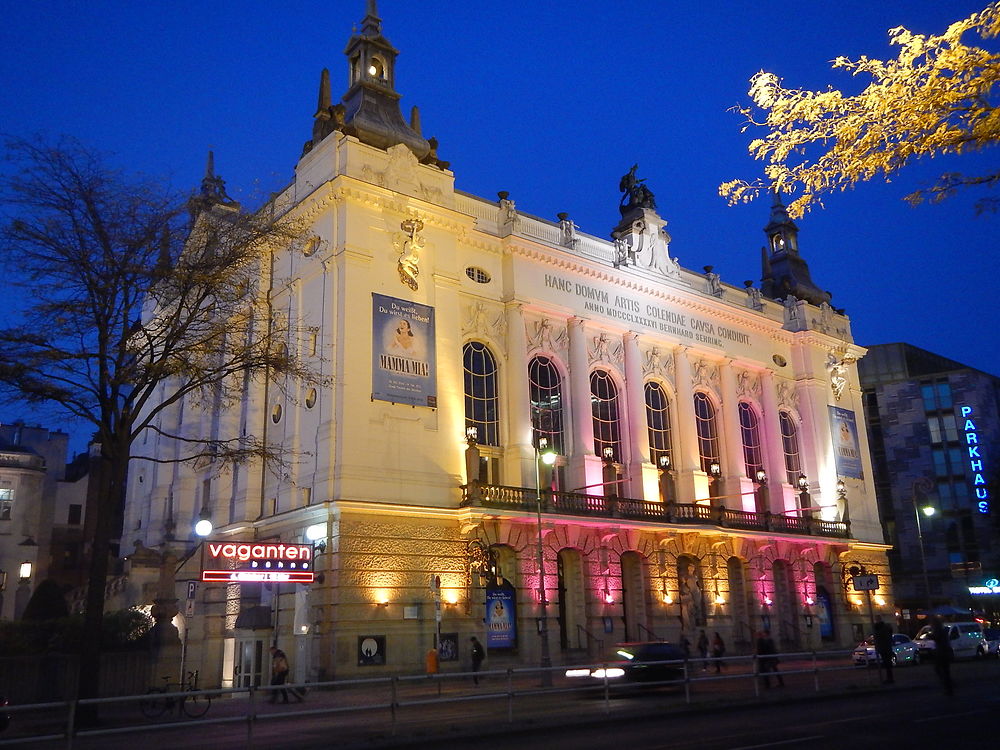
(837, 363)
(705, 374)
(485, 322)
(787, 395)
(607, 349)
(408, 244)
(548, 335)
(747, 385)
(658, 362)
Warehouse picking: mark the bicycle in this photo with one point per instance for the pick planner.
(159, 700)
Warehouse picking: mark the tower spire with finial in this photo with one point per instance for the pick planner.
(371, 24)
(783, 270)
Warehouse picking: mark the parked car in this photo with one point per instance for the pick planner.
(904, 651)
(4, 716)
(649, 661)
(992, 636)
(966, 640)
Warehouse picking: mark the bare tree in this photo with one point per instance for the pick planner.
(136, 300)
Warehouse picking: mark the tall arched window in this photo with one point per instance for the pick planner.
(708, 431)
(545, 394)
(753, 459)
(604, 405)
(657, 422)
(790, 446)
(482, 402)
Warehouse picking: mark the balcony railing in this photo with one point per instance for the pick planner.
(597, 506)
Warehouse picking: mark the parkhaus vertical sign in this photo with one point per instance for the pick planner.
(975, 458)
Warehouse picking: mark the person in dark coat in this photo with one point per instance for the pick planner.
(478, 654)
(883, 647)
(279, 675)
(703, 650)
(718, 651)
(943, 654)
(767, 658)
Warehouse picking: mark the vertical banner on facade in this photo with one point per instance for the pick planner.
(403, 363)
(501, 616)
(846, 448)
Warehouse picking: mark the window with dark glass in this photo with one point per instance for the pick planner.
(708, 432)
(482, 400)
(545, 394)
(753, 460)
(790, 447)
(657, 422)
(604, 405)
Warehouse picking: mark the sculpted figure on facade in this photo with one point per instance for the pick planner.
(657, 362)
(791, 304)
(567, 230)
(747, 385)
(713, 282)
(507, 215)
(787, 395)
(703, 373)
(605, 349)
(837, 366)
(408, 246)
(753, 296)
(547, 338)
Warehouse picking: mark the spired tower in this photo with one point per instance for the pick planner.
(783, 270)
(369, 110)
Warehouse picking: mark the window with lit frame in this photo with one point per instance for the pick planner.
(707, 430)
(606, 414)
(753, 459)
(657, 422)
(790, 447)
(482, 399)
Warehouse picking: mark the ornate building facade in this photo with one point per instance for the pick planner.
(706, 467)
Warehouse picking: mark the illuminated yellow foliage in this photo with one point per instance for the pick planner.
(936, 97)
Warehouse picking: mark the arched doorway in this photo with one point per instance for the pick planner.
(572, 603)
(786, 607)
(635, 612)
(824, 603)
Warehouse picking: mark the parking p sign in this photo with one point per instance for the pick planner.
(865, 583)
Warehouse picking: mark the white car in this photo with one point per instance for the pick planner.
(992, 636)
(966, 639)
(904, 651)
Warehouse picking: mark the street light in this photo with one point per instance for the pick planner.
(927, 510)
(763, 499)
(665, 493)
(547, 456)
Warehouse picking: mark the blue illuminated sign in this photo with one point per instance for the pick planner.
(975, 461)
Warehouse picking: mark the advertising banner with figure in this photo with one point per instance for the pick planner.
(846, 448)
(501, 616)
(403, 361)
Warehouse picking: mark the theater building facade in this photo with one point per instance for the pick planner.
(523, 432)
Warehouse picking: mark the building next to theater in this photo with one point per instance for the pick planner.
(934, 427)
(708, 468)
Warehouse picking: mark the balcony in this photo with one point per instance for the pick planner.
(685, 514)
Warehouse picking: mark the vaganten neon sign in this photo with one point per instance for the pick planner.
(975, 461)
(240, 562)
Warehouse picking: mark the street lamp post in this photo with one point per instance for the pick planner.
(927, 510)
(543, 455)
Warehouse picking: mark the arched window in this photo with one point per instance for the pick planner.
(545, 394)
(708, 431)
(604, 405)
(657, 422)
(482, 402)
(790, 446)
(753, 460)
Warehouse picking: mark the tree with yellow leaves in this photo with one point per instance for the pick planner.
(938, 97)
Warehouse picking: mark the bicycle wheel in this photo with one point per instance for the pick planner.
(155, 703)
(196, 706)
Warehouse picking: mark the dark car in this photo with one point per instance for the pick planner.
(649, 661)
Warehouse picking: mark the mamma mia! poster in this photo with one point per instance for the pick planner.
(403, 364)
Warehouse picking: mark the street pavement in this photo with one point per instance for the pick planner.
(421, 711)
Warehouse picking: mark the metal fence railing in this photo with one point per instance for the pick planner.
(497, 695)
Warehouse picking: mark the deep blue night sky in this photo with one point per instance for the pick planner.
(552, 101)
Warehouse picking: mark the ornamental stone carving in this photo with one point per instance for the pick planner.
(408, 246)
(747, 385)
(658, 362)
(837, 365)
(704, 374)
(481, 321)
(544, 334)
(787, 395)
(604, 348)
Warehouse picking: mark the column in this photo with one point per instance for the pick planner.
(519, 459)
(584, 467)
(643, 476)
(774, 451)
(692, 482)
(733, 467)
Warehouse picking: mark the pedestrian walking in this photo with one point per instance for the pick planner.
(478, 654)
(943, 654)
(279, 675)
(703, 650)
(883, 647)
(767, 658)
(718, 651)
(685, 647)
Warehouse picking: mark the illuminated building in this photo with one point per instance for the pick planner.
(934, 426)
(700, 429)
